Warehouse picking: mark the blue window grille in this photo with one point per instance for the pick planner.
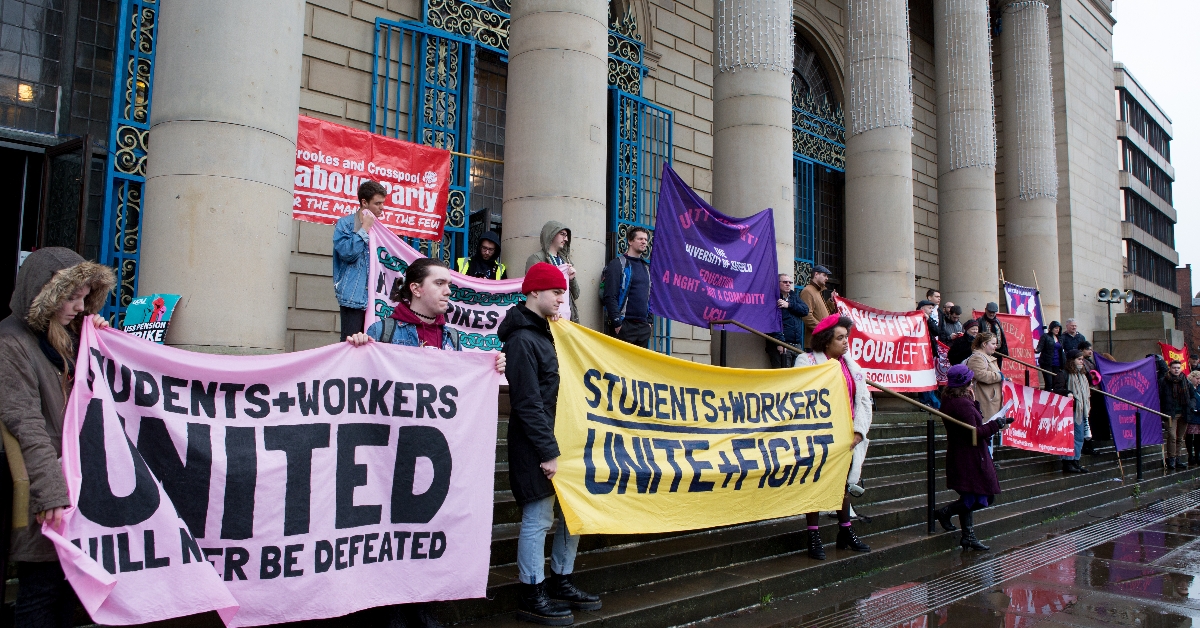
(125, 176)
(419, 78)
(818, 146)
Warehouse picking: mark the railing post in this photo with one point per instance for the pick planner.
(931, 472)
(1026, 378)
(1137, 448)
(723, 346)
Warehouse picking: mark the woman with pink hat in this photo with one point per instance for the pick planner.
(831, 341)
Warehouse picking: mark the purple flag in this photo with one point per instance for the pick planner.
(1137, 382)
(1026, 302)
(708, 266)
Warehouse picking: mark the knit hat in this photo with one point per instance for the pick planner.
(971, 323)
(959, 375)
(543, 276)
(826, 323)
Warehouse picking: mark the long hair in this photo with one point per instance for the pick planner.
(416, 273)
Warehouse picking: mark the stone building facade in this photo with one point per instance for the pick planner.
(906, 145)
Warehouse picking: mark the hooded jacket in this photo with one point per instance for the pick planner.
(989, 383)
(532, 374)
(549, 230)
(476, 266)
(969, 467)
(32, 398)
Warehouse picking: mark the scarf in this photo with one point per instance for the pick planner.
(850, 386)
(1077, 383)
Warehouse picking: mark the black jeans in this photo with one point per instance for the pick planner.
(352, 321)
(44, 597)
(636, 333)
(785, 360)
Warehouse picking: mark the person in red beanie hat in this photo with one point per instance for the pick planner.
(533, 451)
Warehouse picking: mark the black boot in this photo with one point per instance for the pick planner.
(815, 549)
(846, 538)
(534, 606)
(969, 541)
(1078, 469)
(561, 589)
(945, 517)
(1070, 466)
(1171, 463)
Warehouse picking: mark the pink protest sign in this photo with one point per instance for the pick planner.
(275, 488)
(477, 306)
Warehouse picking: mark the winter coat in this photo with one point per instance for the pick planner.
(476, 266)
(1061, 385)
(1194, 416)
(817, 310)
(969, 467)
(948, 329)
(863, 408)
(988, 387)
(960, 349)
(351, 262)
(792, 318)
(1167, 402)
(994, 328)
(549, 230)
(1046, 349)
(32, 397)
(532, 373)
(1071, 343)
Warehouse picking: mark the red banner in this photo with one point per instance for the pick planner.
(1018, 332)
(1170, 353)
(1045, 422)
(332, 160)
(892, 347)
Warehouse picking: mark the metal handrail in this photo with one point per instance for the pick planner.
(1106, 394)
(933, 411)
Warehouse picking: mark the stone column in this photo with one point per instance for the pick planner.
(557, 136)
(1030, 165)
(966, 152)
(880, 265)
(752, 129)
(218, 212)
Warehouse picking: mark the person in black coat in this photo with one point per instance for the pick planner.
(791, 312)
(1050, 353)
(991, 324)
(960, 349)
(533, 452)
(969, 469)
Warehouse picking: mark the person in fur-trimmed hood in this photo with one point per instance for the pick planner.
(831, 341)
(56, 291)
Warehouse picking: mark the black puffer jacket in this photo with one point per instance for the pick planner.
(532, 373)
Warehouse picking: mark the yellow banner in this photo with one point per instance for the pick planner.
(652, 443)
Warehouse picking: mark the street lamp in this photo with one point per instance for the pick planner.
(1112, 297)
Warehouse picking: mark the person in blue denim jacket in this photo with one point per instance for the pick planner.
(352, 256)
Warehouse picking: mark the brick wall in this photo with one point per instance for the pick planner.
(1185, 321)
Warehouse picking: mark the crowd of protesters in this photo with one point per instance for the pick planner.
(57, 292)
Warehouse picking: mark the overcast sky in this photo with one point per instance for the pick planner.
(1158, 43)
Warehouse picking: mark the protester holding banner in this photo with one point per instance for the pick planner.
(988, 376)
(991, 324)
(533, 451)
(792, 310)
(969, 467)
(812, 297)
(625, 290)
(352, 257)
(1175, 398)
(1073, 382)
(831, 341)
(556, 250)
(930, 308)
(485, 263)
(1098, 424)
(1051, 356)
(961, 349)
(54, 293)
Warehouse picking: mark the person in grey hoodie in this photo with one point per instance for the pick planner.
(556, 250)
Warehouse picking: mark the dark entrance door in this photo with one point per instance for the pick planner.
(70, 212)
(20, 199)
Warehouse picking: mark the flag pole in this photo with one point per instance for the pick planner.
(1035, 283)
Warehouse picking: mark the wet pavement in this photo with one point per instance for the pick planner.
(1144, 575)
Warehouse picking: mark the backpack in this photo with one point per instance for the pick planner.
(389, 330)
(623, 295)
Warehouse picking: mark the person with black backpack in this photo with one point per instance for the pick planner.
(419, 320)
(625, 291)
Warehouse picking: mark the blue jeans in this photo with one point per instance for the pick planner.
(44, 598)
(536, 518)
(1080, 434)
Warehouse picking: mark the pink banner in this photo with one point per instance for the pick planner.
(892, 347)
(275, 488)
(1045, 422)
(476, 305)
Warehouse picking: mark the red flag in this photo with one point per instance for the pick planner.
(942, 366)
(1018, 332)
(1170, 353)
(1045, 422)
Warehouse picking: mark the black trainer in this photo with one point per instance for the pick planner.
(533, 606)
(846, 538)
(816, 550)
(561, 589)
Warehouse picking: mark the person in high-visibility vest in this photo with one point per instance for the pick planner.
(485, 263)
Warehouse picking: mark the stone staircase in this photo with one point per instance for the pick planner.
(678, 578)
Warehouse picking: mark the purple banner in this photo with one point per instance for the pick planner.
(708, 266)
(1026, 302)
(1137, 382)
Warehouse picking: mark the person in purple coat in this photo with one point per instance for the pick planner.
(969, 469)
